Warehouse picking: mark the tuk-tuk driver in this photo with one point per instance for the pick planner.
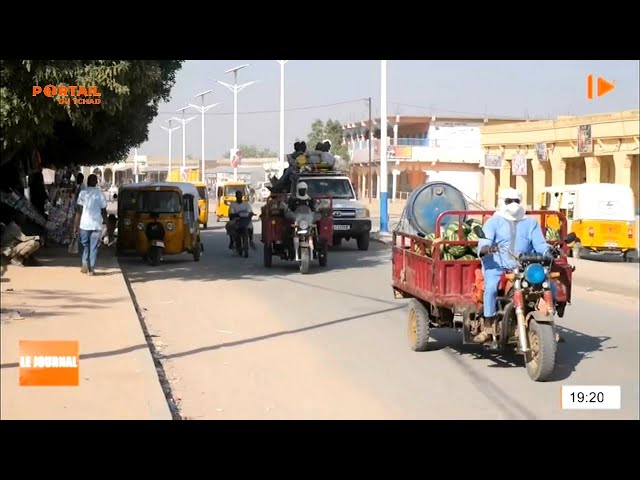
(510, 228)
(237, 207)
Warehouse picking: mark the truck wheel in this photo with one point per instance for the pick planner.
(418, 326)
(363, 242)
(630, 256)
(304, 260)
(541, 360)
(337, 241)
(267, 253)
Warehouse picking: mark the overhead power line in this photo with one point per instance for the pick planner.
(257, 112)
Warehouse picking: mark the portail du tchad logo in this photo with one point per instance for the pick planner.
(67, 94)
(47, 363)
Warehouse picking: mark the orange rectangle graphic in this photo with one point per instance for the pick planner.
(49, 363)
(590, 87)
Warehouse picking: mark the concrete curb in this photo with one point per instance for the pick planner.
(157, 400)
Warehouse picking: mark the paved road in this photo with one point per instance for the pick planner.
(245, 342)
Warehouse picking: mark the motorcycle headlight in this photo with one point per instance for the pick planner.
(140, 226)
(170, 226)
(362, 213)
(303, 225)
(535, 274)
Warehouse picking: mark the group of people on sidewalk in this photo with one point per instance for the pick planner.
(89, 223)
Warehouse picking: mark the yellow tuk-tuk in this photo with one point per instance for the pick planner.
(226, 194)
(600, 214)
(203, 202)
(157, 219)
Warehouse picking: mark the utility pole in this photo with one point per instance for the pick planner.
(370, 147)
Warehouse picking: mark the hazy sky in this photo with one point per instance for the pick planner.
(417, 87)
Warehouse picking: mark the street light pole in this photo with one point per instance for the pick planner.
(202, 109)
(370, 144)
(383, 147)
(235, 88)
(183, 121)
(282, 154)
(135, 164)
(170, 130)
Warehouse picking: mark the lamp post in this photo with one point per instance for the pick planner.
(235, 88)
(282, 154)
(170, 130)
(202, 109)
(370, 145)
(135, 164)
(183, 121)
(383, 147)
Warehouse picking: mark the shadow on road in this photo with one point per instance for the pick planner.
(574, 348)
(219, 263)
(279, 334)
(89, 356)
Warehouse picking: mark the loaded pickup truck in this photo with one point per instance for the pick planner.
(351, 219)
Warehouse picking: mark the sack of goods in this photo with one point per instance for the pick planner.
(316, 160)
(450, 233)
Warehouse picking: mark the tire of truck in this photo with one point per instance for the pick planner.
(337, 241)
(363, 242)
(418, 326)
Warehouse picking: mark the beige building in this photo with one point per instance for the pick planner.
(569, 150)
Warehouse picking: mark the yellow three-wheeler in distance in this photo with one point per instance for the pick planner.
(157, 219)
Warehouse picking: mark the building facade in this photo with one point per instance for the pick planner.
(532, 155)
(420, 149)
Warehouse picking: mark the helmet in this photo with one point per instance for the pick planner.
(302, 191)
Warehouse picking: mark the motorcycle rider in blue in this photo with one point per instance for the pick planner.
(508, 228)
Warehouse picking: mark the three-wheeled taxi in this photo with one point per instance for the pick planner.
(157, 219)
(203, 203)
(226, 195)
(600, 214)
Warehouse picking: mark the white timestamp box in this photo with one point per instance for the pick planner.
(591, 397)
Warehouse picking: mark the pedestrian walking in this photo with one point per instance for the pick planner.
(91, 214)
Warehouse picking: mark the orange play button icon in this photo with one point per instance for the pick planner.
(602, 88)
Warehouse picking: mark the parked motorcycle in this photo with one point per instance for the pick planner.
(527, 312)
(241, 233)
(155, 235)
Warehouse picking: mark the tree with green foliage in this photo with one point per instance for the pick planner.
(331, 130)
(80, 134)
(253, 151)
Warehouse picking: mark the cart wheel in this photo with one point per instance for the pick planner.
(418, 326)
(304, 260)
(541, 360)
(267, 254)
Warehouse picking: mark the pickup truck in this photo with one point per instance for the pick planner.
(351, 219)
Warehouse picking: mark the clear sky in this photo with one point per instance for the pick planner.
(539, 89)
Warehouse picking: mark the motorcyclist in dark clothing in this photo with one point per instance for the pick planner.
(301, 198)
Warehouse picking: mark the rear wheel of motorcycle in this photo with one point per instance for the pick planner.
(541, 360)
(418, 326)
(305, 260)
(154, 256)
(267, 253)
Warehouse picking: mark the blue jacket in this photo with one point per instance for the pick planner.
(528, 238)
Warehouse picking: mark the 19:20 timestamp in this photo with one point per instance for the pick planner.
(588, 397)
(591, 397)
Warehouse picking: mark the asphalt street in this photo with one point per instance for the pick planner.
(241, 341)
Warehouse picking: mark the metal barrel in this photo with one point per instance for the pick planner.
(431, 199)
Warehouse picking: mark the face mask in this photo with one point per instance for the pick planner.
(514, 209)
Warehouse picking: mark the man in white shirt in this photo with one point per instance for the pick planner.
(235, 209)
(90, 215)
